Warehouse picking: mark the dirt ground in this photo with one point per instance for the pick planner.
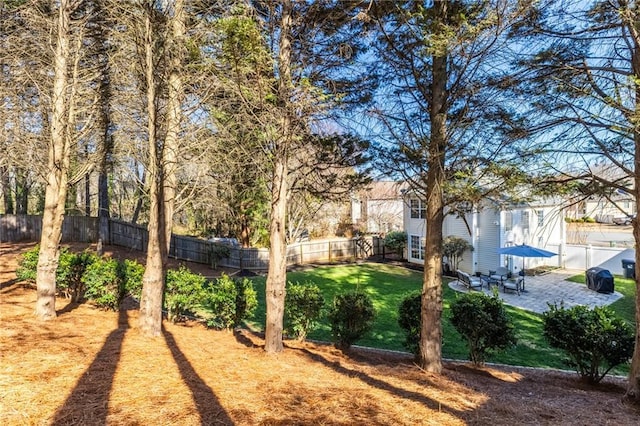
(90, 367)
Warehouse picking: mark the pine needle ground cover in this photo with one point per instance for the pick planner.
(92, 367)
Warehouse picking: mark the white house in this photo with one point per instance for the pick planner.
(493, 225)
(379, 208)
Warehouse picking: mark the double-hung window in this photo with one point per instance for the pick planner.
(418, 209)
(416, 247)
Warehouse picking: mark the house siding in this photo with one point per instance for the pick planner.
(488, 240)
(455, 226)
(493, 226)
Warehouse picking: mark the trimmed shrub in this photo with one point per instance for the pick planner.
(216, 253)
(246, 300)
(409, 320)
(453, 248)
(104, 280)
(302, 309)
(396, 241)
(351, 316)
(594, 340)
(27, 269)
(133, 272)
(184, 291)
(229, 301)
(71, 267)
(484, 323)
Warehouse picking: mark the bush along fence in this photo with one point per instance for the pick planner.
(15, 228)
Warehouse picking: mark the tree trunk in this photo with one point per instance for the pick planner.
(106, 140)
(170, 149)
(150, 319)
(277, 274)
(56, 181)
(7, 196)
(431, 310)
(22, 191)
(633, 386)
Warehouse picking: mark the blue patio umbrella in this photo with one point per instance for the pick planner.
(525, 251)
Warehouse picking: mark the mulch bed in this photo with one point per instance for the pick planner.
(93, 367)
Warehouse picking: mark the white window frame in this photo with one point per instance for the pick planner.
(416, 253)
(508, 221)
(524, 220)
(418, 208)
(540, 218)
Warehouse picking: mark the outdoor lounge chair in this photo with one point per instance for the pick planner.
(500, 274)
(469, 281)
(513, 285)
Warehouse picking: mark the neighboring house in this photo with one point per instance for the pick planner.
(602, 209)
(493, 225)
(379, 208)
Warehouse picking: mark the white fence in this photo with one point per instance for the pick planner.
(583, 257)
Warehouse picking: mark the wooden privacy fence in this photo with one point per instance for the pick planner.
(14, 228)
(202, 251)
(123, 234)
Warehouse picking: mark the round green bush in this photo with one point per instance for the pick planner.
(484, 323)
(351, 317)
(104, 281)
(229, 302)
(594, 340)
(409, 319)
(184, 291)
(303, 308)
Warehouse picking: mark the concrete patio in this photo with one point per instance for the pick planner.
(549, 288)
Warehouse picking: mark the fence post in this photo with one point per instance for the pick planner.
(329, 251)
(301, 258)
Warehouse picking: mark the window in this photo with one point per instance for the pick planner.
(416, 247)
(525, 221)
(418, 209)
(508, 221)
(540, 217)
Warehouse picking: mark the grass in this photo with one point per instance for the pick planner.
(624, 307)
(388, 285)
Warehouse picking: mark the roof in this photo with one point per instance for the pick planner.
(383, 190)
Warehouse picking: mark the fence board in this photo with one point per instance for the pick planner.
(14, 228)
(136, 237)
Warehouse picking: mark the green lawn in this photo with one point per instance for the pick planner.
(388, 285)
(625, 307)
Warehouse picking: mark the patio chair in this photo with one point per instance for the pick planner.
(513, 285)
(469, 281)
(500, 274)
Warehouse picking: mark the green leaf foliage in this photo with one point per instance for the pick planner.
(409, 320)
(28, 266)
(184, 291)
(104, 281)
(303, 308)
(453, 248)
(396, 241)
(351, 317)
(594, 340)
(230, 301)
(483, 321)
(71, 267)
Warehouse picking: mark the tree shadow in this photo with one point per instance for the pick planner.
(382, 385)
(88, 403)
(244, 340)
(208, 406)
(9, 283)
(71, 306)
